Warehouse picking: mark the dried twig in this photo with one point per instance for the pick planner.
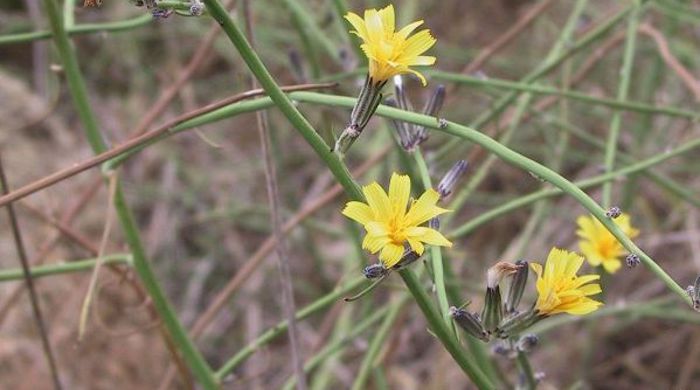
(36, 308)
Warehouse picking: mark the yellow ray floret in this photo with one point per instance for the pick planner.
(390, 223)
(560, 290)
(598, 245)
(391, 52)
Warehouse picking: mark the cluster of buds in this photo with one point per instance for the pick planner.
(410, 135)
(499, 318)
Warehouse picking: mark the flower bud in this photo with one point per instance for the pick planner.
(432, 108)
(493, 309)
(517, 286)
(470, 322)
(527, 343)
(613, 212)
(632, 260)
(374, 271)
(403, 129)
(694, 293)
(449, 181)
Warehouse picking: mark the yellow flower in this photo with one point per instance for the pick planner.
(560, 290)
(389, 225)
(598, 245)
(391, 52)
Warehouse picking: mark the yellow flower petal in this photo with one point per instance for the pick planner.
(391, 254)
(373, 243)
(358, 24)
(424, 208)
(358, 211)
(560, 290)
(428, 236)
(416, 245)
(391, 52)
(389, 227)
(612, 265)
(399, 192)
(378, 201)
(406, 31)
(598, 245)
(387, 15)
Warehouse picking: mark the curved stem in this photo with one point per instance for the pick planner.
(78, 90)
(57, 269)
(85, 28)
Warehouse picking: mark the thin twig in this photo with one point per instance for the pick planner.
(36, 309)
(676, 66)
(138, 142)
(289, 306)
(510, 34)
(85, 310)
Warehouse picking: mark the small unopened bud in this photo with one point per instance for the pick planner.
(434, 223)
(407, 258)
(694, 293)
(367, 103)
(517, 286)
(613, 212)
(493, 309)
(432, 108)
(197, 8)
(470, 322)
(527, 343)
(632, 260)
(449, 181)
(403, 129)
(375, 271)
(297, 65)
(159, 13)
(502, 349)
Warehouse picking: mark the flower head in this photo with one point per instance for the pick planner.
(598, 245)
(390, 223)
(560, 290)
(391, 52)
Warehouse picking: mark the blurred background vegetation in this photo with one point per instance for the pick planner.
(199, 197)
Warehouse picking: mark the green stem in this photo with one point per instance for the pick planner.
(281, 100)
(579, 96)
(661, 180)
(86, 28)
(440, 329)
(435, 251)
(63, 268)
(622, 92)
(281, 328)
(526, 370)
(76, 86)
(586, 183)
(488, 143)
(516, 159)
